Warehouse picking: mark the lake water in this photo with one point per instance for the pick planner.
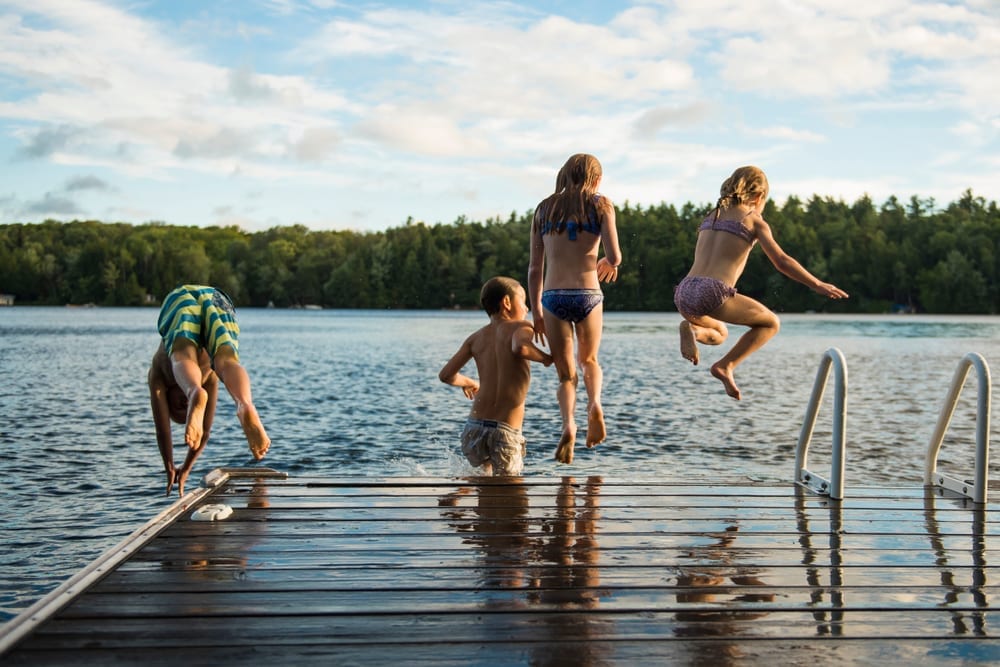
(356, 393)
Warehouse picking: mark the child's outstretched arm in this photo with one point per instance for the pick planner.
(789, 266)
(522, 345)
(451, 372)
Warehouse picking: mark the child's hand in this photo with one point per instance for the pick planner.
(470, 391)
(605, 272)
(538, 324)
(832, 291)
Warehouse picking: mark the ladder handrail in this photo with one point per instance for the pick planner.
(834, 487)
(980, 484)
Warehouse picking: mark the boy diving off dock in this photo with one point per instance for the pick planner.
(199, 347)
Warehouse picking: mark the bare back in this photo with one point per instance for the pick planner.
(721, 254)
(504, 377)
(576, 267)
(570, 256)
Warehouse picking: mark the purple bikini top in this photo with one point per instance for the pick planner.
(732, 226)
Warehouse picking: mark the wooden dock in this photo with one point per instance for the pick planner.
(531, 571)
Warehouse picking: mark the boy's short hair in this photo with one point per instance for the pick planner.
(493, 292)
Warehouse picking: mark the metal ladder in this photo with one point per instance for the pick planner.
(834, 486)
(980, 483)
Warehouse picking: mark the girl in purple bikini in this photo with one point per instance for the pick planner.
(568, 228)
(707, 297)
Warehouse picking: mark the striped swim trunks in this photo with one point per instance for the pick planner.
(204, 315)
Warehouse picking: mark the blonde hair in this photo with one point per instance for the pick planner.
(743, 186)
(576, 185)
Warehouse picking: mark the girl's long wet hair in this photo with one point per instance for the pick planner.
(743, 186)
(576, 185)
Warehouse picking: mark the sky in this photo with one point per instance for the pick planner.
(357, 115)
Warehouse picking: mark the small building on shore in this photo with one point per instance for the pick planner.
(6, 299)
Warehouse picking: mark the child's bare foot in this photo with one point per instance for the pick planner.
(171, 480)
(689, 346)
(564, 450)
(256, 436)
(726, 375)
(194, 426)
(596, 431)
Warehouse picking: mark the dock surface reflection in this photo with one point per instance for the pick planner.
(541, 571)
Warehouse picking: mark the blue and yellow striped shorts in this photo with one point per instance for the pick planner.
(203, 315)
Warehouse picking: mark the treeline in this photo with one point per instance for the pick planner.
(895, 255)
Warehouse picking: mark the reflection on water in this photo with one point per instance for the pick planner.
(963, 623)
(538, 558)
(829, 598)
(498, 526)
(356, 393)
(236, 560)
(569, 556)
(570, 552)
(711, 589)
(829, 615)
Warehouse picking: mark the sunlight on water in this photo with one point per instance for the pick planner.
(356, 393)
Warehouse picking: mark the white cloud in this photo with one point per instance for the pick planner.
(82, 183)
(223, 142)
(315, 144)
(653, 120)
(116, 81)
(474, 106)
(52, 204)
(792, 134)
(420, 131)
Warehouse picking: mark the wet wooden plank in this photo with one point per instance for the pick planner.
(682, 599)
(237, 577)
(526, 625)
(584, 570)
(683, 650)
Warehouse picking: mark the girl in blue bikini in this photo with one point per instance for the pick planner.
(707, 297)
(567, 229)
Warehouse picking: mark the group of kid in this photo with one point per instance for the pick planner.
(200, 334)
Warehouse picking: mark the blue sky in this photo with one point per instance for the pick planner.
(358, 115)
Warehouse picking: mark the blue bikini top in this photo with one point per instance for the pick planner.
(592, 224)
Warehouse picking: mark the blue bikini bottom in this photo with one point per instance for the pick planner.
(571, 305)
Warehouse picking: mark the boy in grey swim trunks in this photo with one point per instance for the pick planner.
(502, 351)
